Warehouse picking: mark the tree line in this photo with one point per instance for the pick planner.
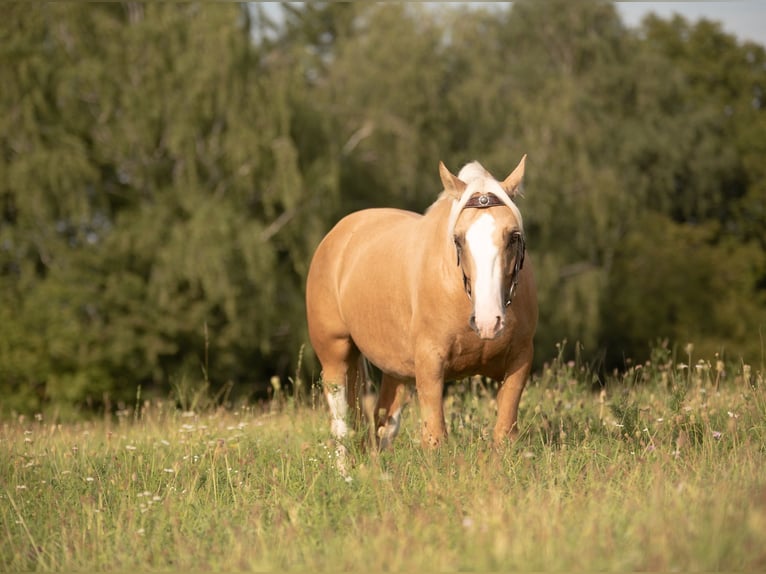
(166, 171)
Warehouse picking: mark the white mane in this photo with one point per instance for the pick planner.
(479, 180)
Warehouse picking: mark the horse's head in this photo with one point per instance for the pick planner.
(488, 233)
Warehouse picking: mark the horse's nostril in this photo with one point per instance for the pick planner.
(472, 322)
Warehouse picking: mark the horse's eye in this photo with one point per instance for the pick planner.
(513, 239)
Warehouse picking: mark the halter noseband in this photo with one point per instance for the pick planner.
(483, 201)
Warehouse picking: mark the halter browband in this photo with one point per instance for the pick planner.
(483, 200)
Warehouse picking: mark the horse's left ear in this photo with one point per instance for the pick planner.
(453, 185)
(512, 183)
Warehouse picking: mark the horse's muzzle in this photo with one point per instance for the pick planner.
(487, 329)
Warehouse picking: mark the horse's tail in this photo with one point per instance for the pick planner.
(365, 373)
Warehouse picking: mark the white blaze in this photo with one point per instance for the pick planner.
(487, 283)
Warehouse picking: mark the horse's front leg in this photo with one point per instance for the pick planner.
(509, 397)
(429, 382)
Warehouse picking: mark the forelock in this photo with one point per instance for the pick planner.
(479, 180)
(473, 171)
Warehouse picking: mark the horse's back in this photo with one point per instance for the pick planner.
(356, 232)
(371, 222)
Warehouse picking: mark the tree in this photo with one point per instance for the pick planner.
(179, 226)
(166, 171)
(694, 269)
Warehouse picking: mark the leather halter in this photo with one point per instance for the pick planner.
(483, 201)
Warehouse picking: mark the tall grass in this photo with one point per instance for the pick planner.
(663, 468)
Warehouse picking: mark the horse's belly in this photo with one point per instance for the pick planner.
(400, 367)
(380, 326)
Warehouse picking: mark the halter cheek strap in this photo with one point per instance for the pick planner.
(518, 264)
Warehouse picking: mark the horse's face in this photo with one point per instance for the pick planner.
(487, 231)
(489, 247)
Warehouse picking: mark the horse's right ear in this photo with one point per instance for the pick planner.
(452, 184)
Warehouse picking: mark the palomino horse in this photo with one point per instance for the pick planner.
(426, 297)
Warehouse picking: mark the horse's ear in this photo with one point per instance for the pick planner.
(512, 183)
(452, 184)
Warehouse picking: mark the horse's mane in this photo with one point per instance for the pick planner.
(477, 180)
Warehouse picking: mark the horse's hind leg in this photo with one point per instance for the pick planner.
(394, 396)
(340, 380)
(340, 375)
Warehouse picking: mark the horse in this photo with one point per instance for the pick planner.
(426, 297)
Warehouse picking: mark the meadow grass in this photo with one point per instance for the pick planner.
(661, 469)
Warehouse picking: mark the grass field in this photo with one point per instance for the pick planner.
(663, 469)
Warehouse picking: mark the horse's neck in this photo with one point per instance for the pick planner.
(436, 218)
(438, 246)
(437, 273)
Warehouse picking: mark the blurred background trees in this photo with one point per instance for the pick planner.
(166, 171)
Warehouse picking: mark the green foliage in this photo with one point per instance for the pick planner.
(166, 171)
(690, 288)
(170, 217)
